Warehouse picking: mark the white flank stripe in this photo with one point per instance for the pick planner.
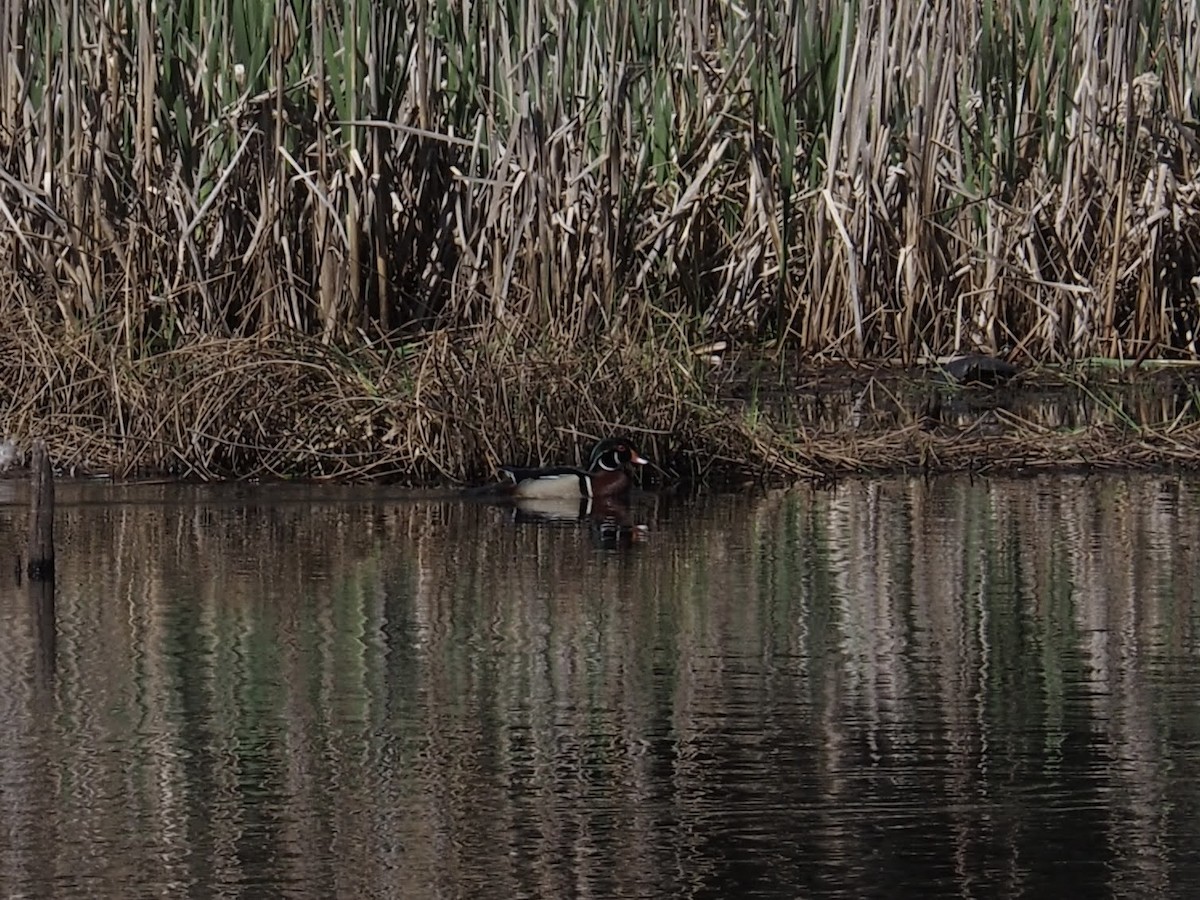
(549, 487)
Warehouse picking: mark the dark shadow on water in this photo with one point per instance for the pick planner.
(870, 400)
(41, 612)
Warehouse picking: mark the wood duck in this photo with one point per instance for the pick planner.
(607, 475)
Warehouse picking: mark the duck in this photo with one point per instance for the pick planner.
(607, 476)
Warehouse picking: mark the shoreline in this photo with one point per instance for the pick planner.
(442, 411)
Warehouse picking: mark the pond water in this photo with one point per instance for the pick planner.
(886, 688)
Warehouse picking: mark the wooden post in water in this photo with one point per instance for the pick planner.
(41, 596)
(41, 516)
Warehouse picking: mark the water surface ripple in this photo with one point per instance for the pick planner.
(890, 688)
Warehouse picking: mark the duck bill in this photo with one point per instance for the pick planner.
(638, 460)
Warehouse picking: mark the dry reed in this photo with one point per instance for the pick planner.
(210, 214)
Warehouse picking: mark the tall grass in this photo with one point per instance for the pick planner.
(866, 178)
(881, 178)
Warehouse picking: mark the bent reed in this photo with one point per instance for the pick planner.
(412, 240)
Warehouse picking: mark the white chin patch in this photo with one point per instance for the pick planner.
(550, 487)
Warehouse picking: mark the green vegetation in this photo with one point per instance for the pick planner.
(259, 237)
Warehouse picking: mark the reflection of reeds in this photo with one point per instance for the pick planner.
(438, 698)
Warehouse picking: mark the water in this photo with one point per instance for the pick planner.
(890, 688)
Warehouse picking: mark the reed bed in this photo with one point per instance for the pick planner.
(443, 407)
(447, 407)
(234, 235)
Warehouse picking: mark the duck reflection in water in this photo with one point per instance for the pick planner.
(611, 523)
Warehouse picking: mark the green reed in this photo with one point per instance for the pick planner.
(867, 178)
